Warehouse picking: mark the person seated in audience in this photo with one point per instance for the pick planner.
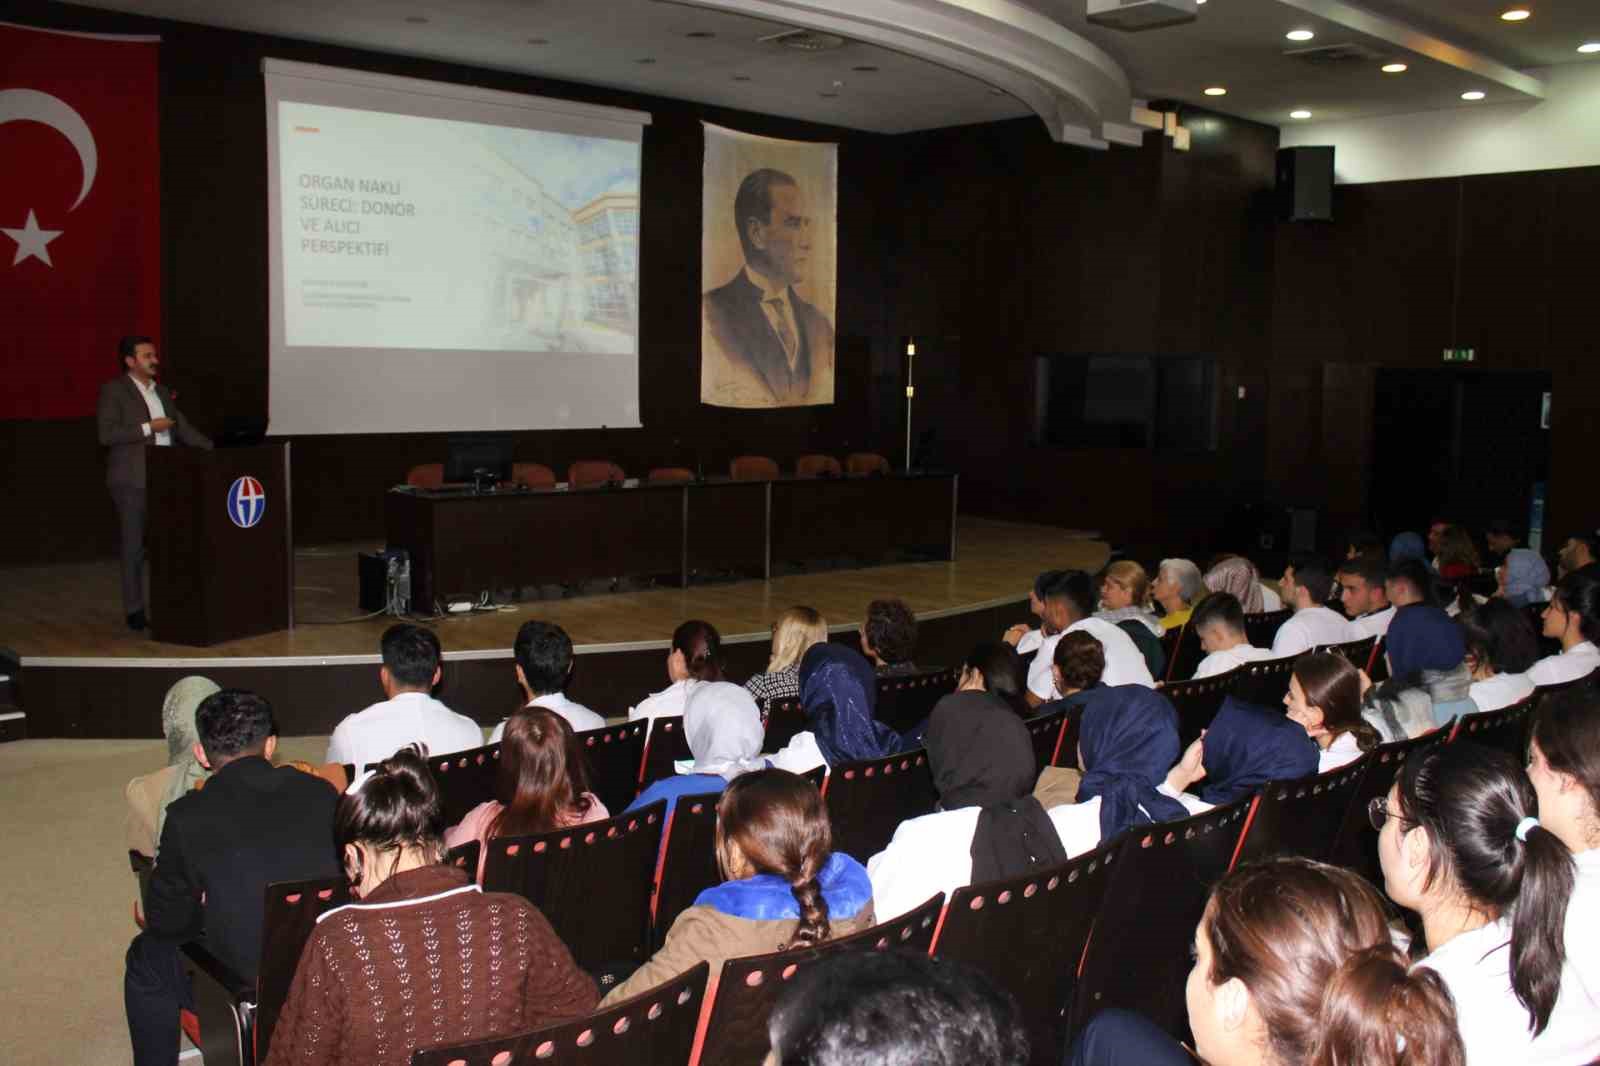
(795, 630)
(543, 654)
(409, 714)
(220, 847)
(695, 657)
(889, 637)
(1580, 552)
(1079, 664)
(1564, 767)
(1306, 584)
(893, 1007)
(838, 692)
(1457, 557)
(993, 668)
(722, 724)
(1125, 596)
(1219, 620)
(1500, 648)
(1245, 747)
(1177, 588)
(1068, 607)
(1325, 699)
(1364, 544)
(988, 826)
(784, 886)
(1436, 537)
(1501, 538)
(1361, 591)
(1237, 576)
(151, 794)
(1026, 638)
(1429, 682)
(1420, 636)
(1522, 578)
(1407, 546)
(424, 956)
(1459, 844)
(1294, 965)
(542, 785)
(1573, 618)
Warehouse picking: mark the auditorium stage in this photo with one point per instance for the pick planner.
(85, 674)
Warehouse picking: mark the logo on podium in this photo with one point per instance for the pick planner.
(247, 502)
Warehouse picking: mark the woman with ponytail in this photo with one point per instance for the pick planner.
(1294, 966)
(785, 887)
(354, 1002)
(1460, 844)
(694, 659)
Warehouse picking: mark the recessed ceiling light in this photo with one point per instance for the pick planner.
(1589, 49)
(1472, 95)
(741, 77)
(997, 92)
(1302, 113)
(828, 96)
(700, 35)
(1300, 35)
(1516, 14)
(1216, 90)
(645, 62)
(1394, 68)
(538, 40)
(417, 20)
(865, 69)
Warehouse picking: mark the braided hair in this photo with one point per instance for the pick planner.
(776, 822)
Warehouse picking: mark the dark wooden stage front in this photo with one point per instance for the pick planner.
(84, 674)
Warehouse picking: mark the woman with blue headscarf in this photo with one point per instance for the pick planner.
(838, 691)
(1245, 747)
(1524, 576)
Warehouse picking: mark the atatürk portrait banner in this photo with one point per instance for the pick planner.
(768, 265)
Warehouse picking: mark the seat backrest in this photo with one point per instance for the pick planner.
(753, 468)
(1138, 955)
(1504, 730)
(1046, 730)
(655, 1028)
(868, 799)
(811, 466)
(1356, 847)
(688, 861)
(1264, 682)
(593, 472)
(665, 745)
(593, 882)
(906, 700)
(865, 463)
(1197, 702)
(465, 857)
(533, 475)
(748, 988)
(1184, 653)
(783, 718)
(1262, 628)
(1358, 653)
(289, 913)
(667, 474)
(1302, 817)
(1028, 934)
(425, 476)
(615, 753)
(1149, 645)
(465, 779)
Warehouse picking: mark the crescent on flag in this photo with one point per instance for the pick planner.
(30, 105)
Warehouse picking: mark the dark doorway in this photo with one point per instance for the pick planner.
(1467, 444)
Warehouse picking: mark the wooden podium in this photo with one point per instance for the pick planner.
(221, 544)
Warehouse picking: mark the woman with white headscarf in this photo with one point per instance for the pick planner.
(723, 727)
(149, 795)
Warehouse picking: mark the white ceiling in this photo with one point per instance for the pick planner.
(1238, 44)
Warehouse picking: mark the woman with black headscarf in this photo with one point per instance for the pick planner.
(838, 690)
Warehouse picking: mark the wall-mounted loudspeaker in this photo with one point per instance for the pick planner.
(1305, 184)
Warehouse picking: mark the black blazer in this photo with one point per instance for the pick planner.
(740, 325)
(252, 824)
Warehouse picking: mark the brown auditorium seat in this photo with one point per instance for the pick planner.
(533, 475)
(667, 474)
(1505, 729)
(426, 476)
(664, 746)
(615, 754)
(593, 472)
(813, 466)
(1301, 817)
(465, 779)
(753, 468)
(865, 463)
(868, 799)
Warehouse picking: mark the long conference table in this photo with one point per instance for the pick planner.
(462, 542)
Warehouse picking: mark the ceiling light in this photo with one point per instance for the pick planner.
(1472, 95)
(1302, 113)
(1394, 68)
(828, 96)
(997, 92)
(1516, 14)
(741, 77)
(1590, 48)
(538, 40)
(700, 35)
(1216, 90)
(417, 20)
(645, 62)
(1299, 35)
(865, 69)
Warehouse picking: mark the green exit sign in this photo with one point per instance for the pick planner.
(1460, 355)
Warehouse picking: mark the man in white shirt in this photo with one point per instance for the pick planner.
(1573, 618)
(410, 714)
(1305, 585)
(1219, 620)
(544, 666)
(1068, 608)
(1361, 583)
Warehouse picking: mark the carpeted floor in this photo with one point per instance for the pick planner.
(68, 901)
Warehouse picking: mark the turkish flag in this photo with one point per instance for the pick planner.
(80, 214)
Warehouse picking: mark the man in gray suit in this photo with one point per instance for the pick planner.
(135, 413)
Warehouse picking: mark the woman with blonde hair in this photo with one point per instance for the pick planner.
(1125, 595)
(795, 630)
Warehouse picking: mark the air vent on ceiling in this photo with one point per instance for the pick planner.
(1134, 15)
(804, 40)
(1328, 55)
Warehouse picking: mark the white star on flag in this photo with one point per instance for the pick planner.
(32, 242)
